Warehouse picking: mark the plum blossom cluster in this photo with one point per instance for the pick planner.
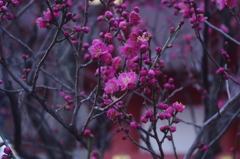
(140, 70)
(126, 19)
(189, 11)
(71, 33)
(169, 113)
(51, 16)
(100, 50)
(4, 8)
(48, 19)
(54, 12)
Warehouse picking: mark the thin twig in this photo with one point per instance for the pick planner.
(75, 112)
(227, 85)
(155, 123)
(166, 44)
(189, 123)
(222, 32)
(138, 143)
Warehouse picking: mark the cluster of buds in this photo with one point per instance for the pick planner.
(170, 84)
(189, 10)
(4, 8)
(119, 23)
(167, 128)
(112, 114)
(149, 76)
(221, 71)
(49, 16)
(149, 116)
(70, 102)
(25, 70)
(225, 55)
(47, 20)
(169, 111)
(76, 30)
(69, 105)
(8, 153)
(108, 100)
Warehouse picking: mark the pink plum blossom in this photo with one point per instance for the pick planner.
(111, 114)
(106, 58)
(126, 78)
(131, 65)
(134, 18)
(41, 23)
(116, 63)
(111, 86)
(184, 9)
(48, 16)
(179, 107)
(98, 48)
(123, 25)
(129, 50)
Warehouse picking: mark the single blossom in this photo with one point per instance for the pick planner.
(110, 48)
(107, 72)
(48, 16)
(133, 37)
(184, 9)
(111, 86)
(133, 125)
(126, 78)
(179, 107)
(134, 18)
(144, 119)
(111, 114)
(116, 63)
(108, 37)
(41, 23)
(123, 25)
(129, 50)
(98, 48)
(149, 113)
(131, 65)
(106, 58)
